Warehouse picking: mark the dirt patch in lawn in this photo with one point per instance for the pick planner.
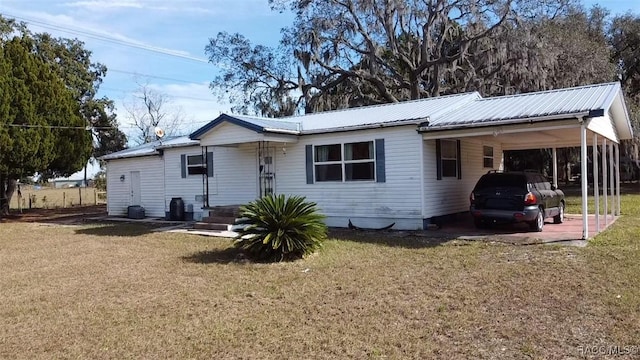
(78, 292)
(70, 215)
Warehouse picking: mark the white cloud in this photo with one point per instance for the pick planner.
(95, 5)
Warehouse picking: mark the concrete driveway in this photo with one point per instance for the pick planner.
(569, 232)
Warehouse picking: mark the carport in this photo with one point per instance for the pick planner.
(576, 117)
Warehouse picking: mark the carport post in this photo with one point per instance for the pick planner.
(605, 182)
(583, 179)
(611, 182)
(555, 167)
(596, 189)
(617, 147)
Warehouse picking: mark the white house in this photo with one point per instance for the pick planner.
(406, 163)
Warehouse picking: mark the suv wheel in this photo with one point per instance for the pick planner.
(538, 223)
(559, 219)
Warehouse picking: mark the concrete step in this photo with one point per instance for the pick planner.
(219, 219)
(224, 211)
(211, 226)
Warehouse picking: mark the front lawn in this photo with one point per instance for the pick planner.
(121, 291)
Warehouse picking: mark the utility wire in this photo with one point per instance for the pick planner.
(150, 76)
(169, 96)
(109, 39)
(32, 126)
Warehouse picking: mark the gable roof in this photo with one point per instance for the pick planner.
(257, 124)
(415, 111)
(407, 112)
(151, 148)
(590, 100)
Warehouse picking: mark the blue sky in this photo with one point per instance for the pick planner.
(177, 30)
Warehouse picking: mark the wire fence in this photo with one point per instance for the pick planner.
(37, 197)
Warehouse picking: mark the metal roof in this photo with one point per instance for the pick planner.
(412, 112)
(257, 124)
(551, 103)
(416, 111)
(151, 148)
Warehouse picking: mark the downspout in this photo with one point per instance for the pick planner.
(583, 178)
(605, 185)
(206, 176)
(612, 184)
(617, 162)
(596, 189)
(423, 184)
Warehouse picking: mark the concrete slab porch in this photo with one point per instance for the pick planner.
(569, 232)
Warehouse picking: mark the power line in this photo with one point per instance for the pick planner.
(109, 39)
(122, 43)
(32, 126)
(148, 75)
(170, 96)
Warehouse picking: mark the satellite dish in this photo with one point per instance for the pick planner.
(159, 132)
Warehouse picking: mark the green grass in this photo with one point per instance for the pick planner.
(113, 291)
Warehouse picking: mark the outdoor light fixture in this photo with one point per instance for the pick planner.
(121, 177)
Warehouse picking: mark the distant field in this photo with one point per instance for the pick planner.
(50, 198)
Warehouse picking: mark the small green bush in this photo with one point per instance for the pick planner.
(277, 228)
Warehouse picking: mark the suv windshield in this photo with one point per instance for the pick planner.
(502, 180)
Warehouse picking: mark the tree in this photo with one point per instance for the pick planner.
(357, 52)
(624, 38)
(82, 77)
(53, 117)
(41, 123)
(149, 109)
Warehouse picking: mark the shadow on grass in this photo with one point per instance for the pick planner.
(218, 256)
(116, 230)
(404, 239)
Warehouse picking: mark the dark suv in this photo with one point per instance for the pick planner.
(516, 196)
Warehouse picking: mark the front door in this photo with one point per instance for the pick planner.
(134, 177)
(266, 171)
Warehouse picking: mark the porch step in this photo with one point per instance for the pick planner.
(211, 226)
(224, 211)
(219, 219)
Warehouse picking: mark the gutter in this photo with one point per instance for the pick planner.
(419, 122)
(592, 113)
(107, 158)
(281, 131)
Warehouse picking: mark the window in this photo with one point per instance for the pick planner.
(487, 160)
(359, 163)
(196, 165)
(449, 158)
(328, 162)
(345, 162)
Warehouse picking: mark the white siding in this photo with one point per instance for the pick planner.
(227, 133)
(604, 126)
(451, 195)
(189, 188)
(235, 169)
(366, 203)
(151, 185)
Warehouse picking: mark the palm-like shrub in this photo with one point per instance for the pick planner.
(277, 228)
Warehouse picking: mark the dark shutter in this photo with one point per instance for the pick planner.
(309, 163)
(459, 159)
(210, 164)
(380, 161)
(183, 165)
(438, 160)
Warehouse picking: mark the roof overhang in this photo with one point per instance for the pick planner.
(198, 134)
(416, 122)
